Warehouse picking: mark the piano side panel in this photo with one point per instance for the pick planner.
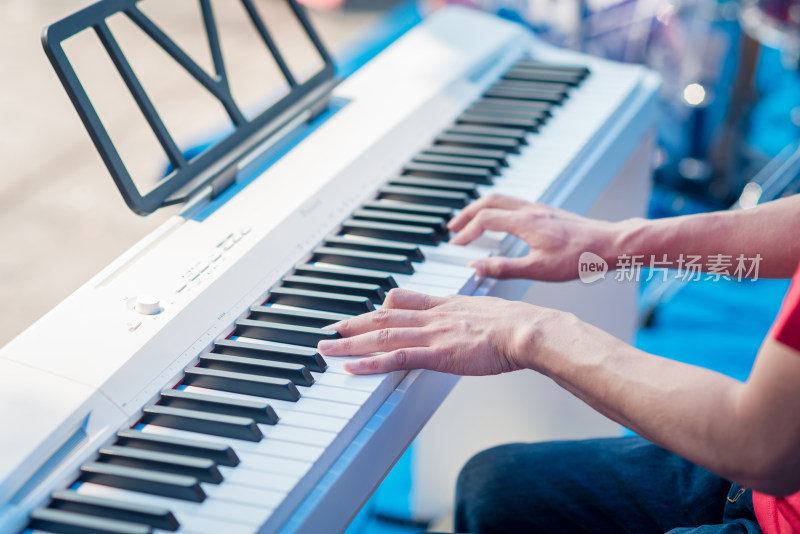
(482, 412)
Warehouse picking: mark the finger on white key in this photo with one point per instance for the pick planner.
(498, 241)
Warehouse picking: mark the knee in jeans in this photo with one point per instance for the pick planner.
(482, 485)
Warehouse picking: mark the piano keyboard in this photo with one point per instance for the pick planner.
(245, 432)
(223, 449)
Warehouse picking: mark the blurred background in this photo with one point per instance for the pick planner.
(728, 137)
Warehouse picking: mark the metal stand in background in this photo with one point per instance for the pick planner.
(779, 178)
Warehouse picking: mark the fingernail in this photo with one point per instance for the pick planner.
(351, 366)
(478, 265)
(325, 345)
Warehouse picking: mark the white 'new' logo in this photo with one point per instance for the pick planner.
(591, 267)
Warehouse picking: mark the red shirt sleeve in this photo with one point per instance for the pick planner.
(786, 328)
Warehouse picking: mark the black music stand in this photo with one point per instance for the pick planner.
(216, 166)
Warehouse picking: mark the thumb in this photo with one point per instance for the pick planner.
(499, 267)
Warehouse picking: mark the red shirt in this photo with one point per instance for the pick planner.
(781, 515)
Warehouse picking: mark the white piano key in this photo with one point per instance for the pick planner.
(295, 451)
(455, 254)
(292, 451)
(259, 479)
(317, 422)
(303, 404)
(279, 466)
(247, 495)
(318, 407)
(428, 279)
(457, 272)
(209, 508)
(205, 525)
(347, 396)
(346, 380)
(296, 434)
(500, 241)
(431, 290)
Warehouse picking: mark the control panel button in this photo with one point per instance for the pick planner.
(147, 305)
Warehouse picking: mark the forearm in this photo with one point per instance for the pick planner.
(768, 231)
(691, 411)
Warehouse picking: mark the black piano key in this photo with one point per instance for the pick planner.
(461, 186)
(536, 116)
(297, 374)
(385, 280)
(459, 161)
(393, 263)
(420, 195)
(392, 232)
(409, 207)
(479, 141)
(156, 517)
(215, 424)
(533, 64)
(410, 250)
(142, 480)
(258, 386)
(437, 224)
(475, 174)
(525, 94)
(318, 300)
(517, 134)
(202, 469)
(299, 316)
(258, 411)
(528, 105)
(68, 522)
(505, 121)
(542, 75)
(533, 85)
(221, 454)
(275, 352)
(469, 152)
(307, 336)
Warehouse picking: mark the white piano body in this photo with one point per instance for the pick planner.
(87, 369)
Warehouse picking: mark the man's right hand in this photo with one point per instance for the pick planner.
(556, 238)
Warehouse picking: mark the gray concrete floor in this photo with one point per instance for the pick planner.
(61, 217)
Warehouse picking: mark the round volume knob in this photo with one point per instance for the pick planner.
(147, 305)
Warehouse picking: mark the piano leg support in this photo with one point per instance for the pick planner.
(482, 412)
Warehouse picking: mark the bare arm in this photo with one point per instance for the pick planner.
(557, 238)
(747, 432)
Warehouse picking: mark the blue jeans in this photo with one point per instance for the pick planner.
(617, 485)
